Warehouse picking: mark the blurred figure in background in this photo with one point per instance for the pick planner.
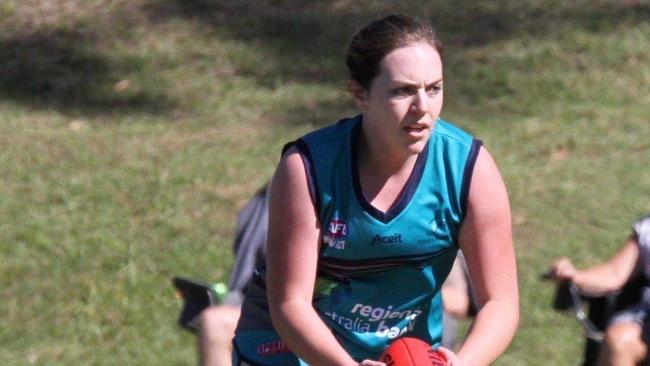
(216, 324)
(627, 335)
(457, 301)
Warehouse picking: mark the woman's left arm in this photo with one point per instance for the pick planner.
(486, 241)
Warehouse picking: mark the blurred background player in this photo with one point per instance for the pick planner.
(457, 301)
(627, 335)
(217, 323)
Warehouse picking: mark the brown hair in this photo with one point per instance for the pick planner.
(374, 41)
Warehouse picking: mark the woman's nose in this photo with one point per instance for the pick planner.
(420, 103)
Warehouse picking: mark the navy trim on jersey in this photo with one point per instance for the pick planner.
(286, 147)
(467, 174)
(343, 268)
(404, 197)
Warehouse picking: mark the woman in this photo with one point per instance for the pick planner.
(367, 216)
(628, 332)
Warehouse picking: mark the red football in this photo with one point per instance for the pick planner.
(409, 351)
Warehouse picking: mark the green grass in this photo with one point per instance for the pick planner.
(133, 131)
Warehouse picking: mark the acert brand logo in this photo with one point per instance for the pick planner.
(388, 239)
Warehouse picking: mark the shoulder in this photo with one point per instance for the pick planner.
(642, 229)
(448, 130)
(335, 131)
(322, 137)
(455, 143)
(643, 222)
(487, 191)
(290, 188)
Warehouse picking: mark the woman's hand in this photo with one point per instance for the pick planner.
(452, 359)
(562, 270)
(371, 363)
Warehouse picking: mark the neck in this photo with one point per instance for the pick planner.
(382, 162)
(382, 173)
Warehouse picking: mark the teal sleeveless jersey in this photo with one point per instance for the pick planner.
(380, 273)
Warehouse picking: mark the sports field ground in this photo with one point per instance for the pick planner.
(132, 131)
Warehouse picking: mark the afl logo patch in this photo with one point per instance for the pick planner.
(337, 228)
(336, 232)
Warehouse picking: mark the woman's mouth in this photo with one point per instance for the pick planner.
(416, 129)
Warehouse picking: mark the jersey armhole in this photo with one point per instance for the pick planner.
(467, 174)
(310, 171)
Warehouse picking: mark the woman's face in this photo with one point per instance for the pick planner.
(403, 102)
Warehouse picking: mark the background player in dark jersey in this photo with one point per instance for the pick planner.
(216, 325)
(627, 335)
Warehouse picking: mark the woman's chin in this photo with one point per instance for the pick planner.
(417, 145)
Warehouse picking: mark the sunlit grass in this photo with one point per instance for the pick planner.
(133, 131)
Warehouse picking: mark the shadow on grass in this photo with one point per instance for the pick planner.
(56, 69)
(300, 43)
(308, 39)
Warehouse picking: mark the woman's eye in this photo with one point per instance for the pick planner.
(403, 92)
(434, 89)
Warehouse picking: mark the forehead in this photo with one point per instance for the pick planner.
(417, 62)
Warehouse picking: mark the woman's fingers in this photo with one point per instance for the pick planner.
(371, 363)
(452, 359)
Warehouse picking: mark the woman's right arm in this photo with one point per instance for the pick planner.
(292, 258)
(601, 278)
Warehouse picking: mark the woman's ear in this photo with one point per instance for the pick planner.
(359, 93)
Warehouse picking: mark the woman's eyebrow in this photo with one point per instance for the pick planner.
(413, 83)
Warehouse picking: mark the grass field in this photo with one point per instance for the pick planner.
(133, 131)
